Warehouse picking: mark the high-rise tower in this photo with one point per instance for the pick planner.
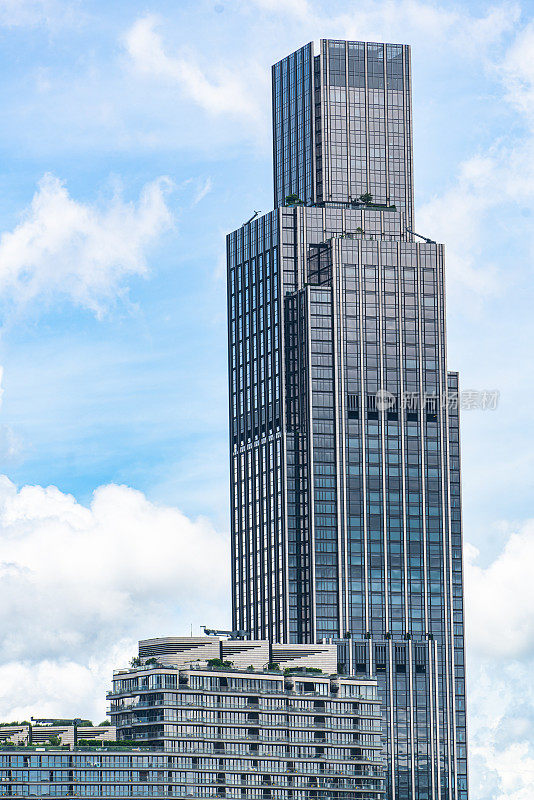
(344, 435)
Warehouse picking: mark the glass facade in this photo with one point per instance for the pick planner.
(342, 124)
(346, 519)
(27, 773)
(257, 734)
(207, 731)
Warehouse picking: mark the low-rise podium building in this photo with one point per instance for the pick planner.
(202, 728)
(273, 730)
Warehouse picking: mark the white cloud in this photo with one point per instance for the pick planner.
(226, 93)
(30, 13)
(501, 729)
(23, 12)
(81, 583)
(10, 444)
(79, 250)
(517, 72)
(421, 23)
(296, 8)
(500, 639)
(491, 182)
(203, 190)
(457, 218)
(61, 689)
(501, 599)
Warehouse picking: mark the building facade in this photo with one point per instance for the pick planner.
(255, 733)
(344, 432)
(30, 772)
(191, 724)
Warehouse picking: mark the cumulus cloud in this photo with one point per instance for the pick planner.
(501, 599)
(81, 582)
(501, 729)
(227, 93)
(457, 217)
(490, 182)
(500, 638)
(65, 688)
(80, 250)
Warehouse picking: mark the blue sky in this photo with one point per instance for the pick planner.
(133, 137)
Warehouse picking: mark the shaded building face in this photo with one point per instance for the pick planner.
(346, 519)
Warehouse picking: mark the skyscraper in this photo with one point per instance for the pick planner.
(345, 475)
